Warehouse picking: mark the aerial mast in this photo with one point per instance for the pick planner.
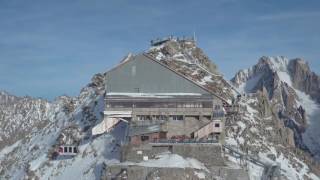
(194, 37)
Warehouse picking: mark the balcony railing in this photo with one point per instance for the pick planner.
(185, 141)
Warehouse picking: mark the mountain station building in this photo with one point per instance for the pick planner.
(146, 92)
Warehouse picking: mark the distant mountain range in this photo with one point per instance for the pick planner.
(280, 120)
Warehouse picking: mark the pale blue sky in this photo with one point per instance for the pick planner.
(51, 48)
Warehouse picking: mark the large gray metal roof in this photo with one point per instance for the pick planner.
(148, 57)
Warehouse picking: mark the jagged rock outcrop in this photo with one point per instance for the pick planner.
(186, 58)
(283, 82)
(304, 79)
(272, 73)
(32, 128)
(19, 116)
(183, 50)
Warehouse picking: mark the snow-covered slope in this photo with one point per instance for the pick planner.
(30, 156)
(293, 103)
(257, 131)
(19, 115)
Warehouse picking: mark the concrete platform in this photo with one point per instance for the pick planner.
(134, 172)
(210, 154)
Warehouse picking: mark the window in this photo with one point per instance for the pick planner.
(133, 71)
(60, 150)
(217, 107)
(159, 117)
(137, 90)
(177, 118)
(75, 150)
(163, 117)
(65, 149)
(140, 118)
(70, 149)
(216, 125)
(143, 117)
(144, 138)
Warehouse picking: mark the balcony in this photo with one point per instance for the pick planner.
(166, 111)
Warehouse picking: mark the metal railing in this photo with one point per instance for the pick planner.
(185, 141)
(270, 169)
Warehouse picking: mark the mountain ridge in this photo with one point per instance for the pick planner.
(288, 83)
(258, 130)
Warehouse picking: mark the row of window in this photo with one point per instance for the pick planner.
(217, 107)
(69, 149)
(160, 105)
(189, 105)
(217, 114)
(159, 117)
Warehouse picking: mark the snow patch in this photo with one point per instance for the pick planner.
(279, 63)
(247, 87)
(285, 77)
(6, 150)
(312, 134)
(205, 80)
(35, 164)
(168, 160)
(200, 175)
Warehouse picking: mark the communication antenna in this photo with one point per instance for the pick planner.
(194, 37)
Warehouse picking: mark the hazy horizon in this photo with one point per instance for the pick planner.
(51, 48)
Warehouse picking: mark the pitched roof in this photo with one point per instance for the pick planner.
(169, 68)
(185, 77)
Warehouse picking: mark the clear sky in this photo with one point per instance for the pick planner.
(51, 48)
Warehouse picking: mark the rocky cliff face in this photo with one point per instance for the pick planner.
(288, 83)
(19, 116)
(186, 58)
(304, 79)
(31, 128)
(184, 51)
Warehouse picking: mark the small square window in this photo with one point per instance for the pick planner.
(144, 138)
(133, 71)
(136, 90)
(216, 125)
(177, 118)
(65, 149)
(70, 149)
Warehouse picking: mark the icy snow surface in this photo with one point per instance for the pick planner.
(171, 160)
(200, 175)
(312, 133)
(249, 85)
(8, 149)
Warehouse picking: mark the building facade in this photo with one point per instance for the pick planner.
(147, 92)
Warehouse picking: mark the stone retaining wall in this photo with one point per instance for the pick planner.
(134, 172)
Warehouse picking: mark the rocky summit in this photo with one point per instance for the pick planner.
(273, 120)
